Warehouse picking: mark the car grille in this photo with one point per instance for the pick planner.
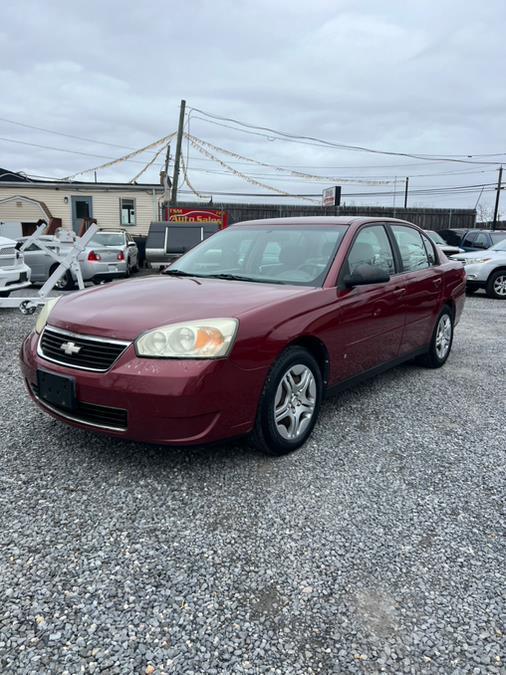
(79, 351)
(90, 413)
(7, 257)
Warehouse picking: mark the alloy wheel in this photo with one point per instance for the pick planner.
(443, 336)
(500, 285)
(295, 401)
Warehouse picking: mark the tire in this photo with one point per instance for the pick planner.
(65, 283)
(496, 285)
(441, 342)
(128, 269)
(291, 431)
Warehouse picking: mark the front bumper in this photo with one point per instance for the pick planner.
(14, 278)
(477, 275)
(174, 402)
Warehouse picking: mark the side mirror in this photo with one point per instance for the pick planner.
(366, 274)
(132, 243)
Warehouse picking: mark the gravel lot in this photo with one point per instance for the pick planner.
(377, 547)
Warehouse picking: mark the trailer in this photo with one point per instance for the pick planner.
(67, 261)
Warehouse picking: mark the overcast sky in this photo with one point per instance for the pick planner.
(399, 75)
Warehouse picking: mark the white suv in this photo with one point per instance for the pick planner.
(486, 269)
(14, 274)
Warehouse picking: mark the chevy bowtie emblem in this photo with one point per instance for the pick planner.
(70, 348)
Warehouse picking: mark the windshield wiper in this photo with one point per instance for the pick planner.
(180, 273)
(238, 277)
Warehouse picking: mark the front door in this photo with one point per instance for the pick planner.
(82, 207)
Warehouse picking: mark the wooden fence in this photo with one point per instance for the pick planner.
(428, 219)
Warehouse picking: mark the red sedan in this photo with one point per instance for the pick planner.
(247, 332)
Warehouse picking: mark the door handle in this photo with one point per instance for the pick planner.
(437, 282)
(399, 291)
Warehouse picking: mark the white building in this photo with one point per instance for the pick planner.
(132, 206)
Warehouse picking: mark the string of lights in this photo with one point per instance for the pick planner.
(194, 142)
(150, 163)
(119, 160)
(291, 172)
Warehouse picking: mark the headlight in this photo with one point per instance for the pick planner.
(44, 314)
(206, 339)
(477, 261)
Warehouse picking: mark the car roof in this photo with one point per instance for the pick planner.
(320, 220)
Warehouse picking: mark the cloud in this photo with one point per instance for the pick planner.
(407, 77)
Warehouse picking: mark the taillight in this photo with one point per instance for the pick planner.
(120, 256)
(94, 257)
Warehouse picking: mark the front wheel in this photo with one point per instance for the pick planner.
(441, 343)
(290, 403)
(496, 285)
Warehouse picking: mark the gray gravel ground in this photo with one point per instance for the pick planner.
(377, 547)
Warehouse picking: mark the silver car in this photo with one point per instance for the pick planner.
(43, 265)
(110, 254)
(486, 269)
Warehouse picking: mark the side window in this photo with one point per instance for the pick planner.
(429, 250)
(371, 247)
(482, 240)
(411, 247)
(469, 238)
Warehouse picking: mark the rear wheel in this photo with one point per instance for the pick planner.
(441, 343)
(290, 403)
(64, 283)
(496, 285)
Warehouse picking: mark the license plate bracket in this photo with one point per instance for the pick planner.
(59, 390)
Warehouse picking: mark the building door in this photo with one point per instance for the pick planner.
(82, 207)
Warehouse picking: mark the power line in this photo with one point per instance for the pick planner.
(355, 148)
(49, 147)
(61, 133)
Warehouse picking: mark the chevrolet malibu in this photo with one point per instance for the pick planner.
(247, 332)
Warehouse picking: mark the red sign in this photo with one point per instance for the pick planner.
(198, 216)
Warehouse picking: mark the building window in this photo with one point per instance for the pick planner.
(127, 211)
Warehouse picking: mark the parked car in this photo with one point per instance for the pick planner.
(250, 340)
(442, 245)
(110, 254)
(169, 240)
(42, 264)
(486, 269)
(14, 273)
(453, 236)
(479, 240)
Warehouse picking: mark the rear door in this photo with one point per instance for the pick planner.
(371, 319)
(422, 278)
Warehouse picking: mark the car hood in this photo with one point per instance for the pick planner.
(485, 253)
(124, 310)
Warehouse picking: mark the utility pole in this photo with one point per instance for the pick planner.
(406, 193)
(499, 188)
(177, 157)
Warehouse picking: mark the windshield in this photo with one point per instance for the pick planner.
(501, 246)
(498, 238)
(280, 255)
(436, 238)
(107, 239)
